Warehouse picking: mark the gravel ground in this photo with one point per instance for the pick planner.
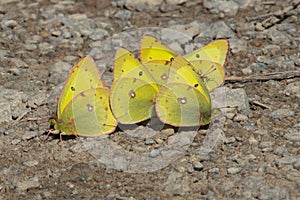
(248, 152)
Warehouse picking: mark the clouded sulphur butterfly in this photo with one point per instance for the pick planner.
(133, 90)
(207, 61)
(184, 99)
(83, 106)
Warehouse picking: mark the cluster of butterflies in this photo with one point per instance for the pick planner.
(160, 83)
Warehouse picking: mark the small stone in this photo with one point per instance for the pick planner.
(229, 140)
(240, 118)
(30, 163)
(98, 34)
(175, 2)
(15, 141)
(178, 184)
(11, 23)
(292, 175)
(198, 166)
(29, 135)
(282, 113)
(266, 144)
(149, 141)
(234, 170)
(154, 153)
(297, 163)
(292, 134)
(276, 193)
(123, 15)
(28, 184)
(214, 170)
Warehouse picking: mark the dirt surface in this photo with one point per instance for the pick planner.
(258, 156)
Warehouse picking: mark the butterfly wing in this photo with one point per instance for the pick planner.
(179, 104)
(88, 114)
(152, 49)
(133, 90)
(84, 75)
(212, 74)
(215, 51)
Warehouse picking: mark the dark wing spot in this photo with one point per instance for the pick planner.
(197, 56)
(134, 80)
(150, 58)
(172, 59)
(72, 88)
(196, 85)
(140, 73)
(106, 109)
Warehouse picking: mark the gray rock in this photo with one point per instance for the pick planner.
(292, 175)
(149, 141)
(276, 193)
(253, 183)
(10, 23)
(237, 45)
(234, 170)
(229, 8)
(29, 135)
(178, 184)
(30, 163)
(280, 113)
(143, 5)
(190, 30)
(224, 97)
(15, 141)
(98, 34)
(218, 30)
(175, 2)
(59, 72)
(28, 184)
(198, 166)
(288, 160)
(240, 118)
(214, 170)
(154, 153)
(292, 134)
(123, 15)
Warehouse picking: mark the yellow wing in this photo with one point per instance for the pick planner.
(212, 74)
(152, 49)
(215, 51)
(88, 114)
(84, 75)
(133, 90)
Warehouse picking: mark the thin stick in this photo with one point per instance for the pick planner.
(265, 77)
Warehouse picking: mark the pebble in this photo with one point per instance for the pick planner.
(30, 163)
(214, 170)
(123, 15)
(198, 166)
(240, 118)
(175, 2)
(59, 72)
(218, 30)
(234, 170)
(280, 113)
(178, 184)
(98, 34)
(29, 135)
(149, 141)
(15, 141)
(276, 193)
(28, 184)
(143, 5)
(292, 134)
(292, 175)
(154, 153)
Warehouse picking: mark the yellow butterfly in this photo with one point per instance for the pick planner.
(207, 61)
(184, 99)
(83, 106)
(133, 90)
